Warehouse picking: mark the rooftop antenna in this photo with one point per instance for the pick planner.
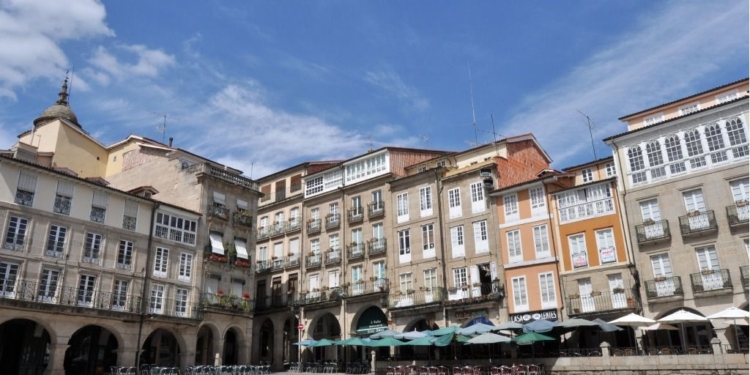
(590, 124)
(494, 135)
(473, 114)
(426, 140)
(369, 143)
(72, 74)
(162, 128)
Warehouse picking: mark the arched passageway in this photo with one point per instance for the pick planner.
(697, 334)
(327, 327)
(91, 350)
(204, 346)
(291, 336)
(265, 340)
(231, 348)
(24, 347)
(161, 348)
(417, 352)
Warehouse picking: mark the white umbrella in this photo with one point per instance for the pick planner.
(508, 325)
(410, 335)
(476, 329)
(632, 320)
(660, 326)
(683, 316)
(731, 313)
(488, 338)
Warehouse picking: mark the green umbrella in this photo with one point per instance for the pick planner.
(324, 342)
(462, 338)
(443, 331)
(531, 337)
(354, 341)
(422, 341)
(388, 341)
(444, 340)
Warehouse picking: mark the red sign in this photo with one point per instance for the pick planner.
(301, 326)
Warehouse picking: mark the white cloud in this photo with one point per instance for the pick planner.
(390, 82)
(148, 63)
(33, 29)
(673, 48)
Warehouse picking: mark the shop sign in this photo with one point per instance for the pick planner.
(470, 314)
(531, 316)
(373, 320)
(607, 254)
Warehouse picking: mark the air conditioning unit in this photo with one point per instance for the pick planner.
(485, 172)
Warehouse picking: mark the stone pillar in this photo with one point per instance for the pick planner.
(716, 345)
(57, 357)
(606, 353)
(219, 349)
(125, 356)
(638, 339)
(373, 357)
(277, 352)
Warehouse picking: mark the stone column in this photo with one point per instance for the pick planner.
(606, 352)
(277, 353)
(716, 345)
(219, 349)
(373, 357)
(125, 356)
(57, 357)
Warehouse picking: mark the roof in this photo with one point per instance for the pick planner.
(741, 98)
(597, 161)
(586, 184)
(389, 148)
(685, 98)
(300, 165)
(554, 174)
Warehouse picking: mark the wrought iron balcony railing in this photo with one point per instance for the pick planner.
(58, 294)
(221, 302)
(356, 214)
(262, 266)
(98, 214)
(219, 212)
(292, 261)
(294, 225)
(263, 233)
(313, 226)
(738, 214)
(362, 287)
(278, 229)
(128, 222)
(598, 302)
(355, 251)
(333, 257)
(697, 223)
(745, 275)
(276, 301)
(331, 295)
(664, 287)
(652, 232)
(411, 298)
(479, 292)
(242, 219)
(277, 263)
(333, 221)
(376, 246)
(312, 261)
(710, 280)
(173, 308)
(376, 209)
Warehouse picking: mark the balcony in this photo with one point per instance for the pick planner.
(355, 251)
(323, 298)
(292, 261)
(376, 209)
(711, 280)
(36, 295)
(372, 288)
(333, 257)
(355, 215)
(664, 287)
(376, 247)
(653, 232)
(745, 275)
(168, 307)
(333, 221)
(278, 229)
(219, 212)
(276, 301)
(598, 302)
(277, 264)
(224, 303)
(412, 299)
(262, 266)
(128, 222)
(477, 293)
(738, 215)
(312, 261)
(313, 226)
(242, 219)
(221, 174)
(263, 233)
(698, 223)
(294, 225)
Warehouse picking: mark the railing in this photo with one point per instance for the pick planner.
(333, 220)
(263, 266)
(745, 276)
(263, 233)
(710, 280)
(376, 247)
(355, 214)
(375, 209)
(355, 251)
(399, 300)
(32, 291)
(588, 209)
(242, 219)
(169, 307)
(313, 226)
(697, 223)
(228, 177)
(664, 287)
(278, 229)
(738, 215)
(62, 205)
(55, 249)
(219, 212)
(277, 263)
(312, 261)
(363, 287)
(211, 301)
(333, 257)
(292, 261)
(601, 301)
(294, 225)
(491, 291)
(653, 232)
(275, 301)
(330, 295)
(98, 214)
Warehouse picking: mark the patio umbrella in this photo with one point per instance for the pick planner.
(731, 313)
(324, 342)
(462, 339)
(488, 338)
(632, 320)
(354, 341)
(410, 335)
(476, 329)
(606, 327)
(683, 316)
(531, 337)
(539, 326)
(422, 341)
(388, 341)
(575, 323)
(444, 340)
(659, 326)
(305, 343)
(382, 334)
(508, 326)
(444, 331)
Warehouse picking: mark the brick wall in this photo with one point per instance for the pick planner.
(524, 161)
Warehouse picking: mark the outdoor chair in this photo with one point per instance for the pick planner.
(533, 370)
(457, 370)
(390, 370)
(442, 370)
(467, 370)
(629, 352)
(433, 370)
(520, 370)
(505, 370)
(424, 371)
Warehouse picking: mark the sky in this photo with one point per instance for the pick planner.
(265, 85)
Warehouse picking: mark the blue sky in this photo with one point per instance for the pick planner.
(264, 85)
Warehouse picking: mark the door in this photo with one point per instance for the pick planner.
(663, 281)
(476, 283)
(358, 287)
(708, 260)
(651, 214)
(314, 286)
(157, 299)
(696, 208)
(619, 300)
(378, 271)
(86, 290)
(356, 207)
(357, 241)
(740, 195)
(8, 277)
(587, 300)
(48, 286)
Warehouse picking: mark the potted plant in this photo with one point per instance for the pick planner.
(360, 281)
(246, 296)
(324, 288)
(694, 213)
(574, 296)
(648, 222)
(742, 203)
(373, 278)
(219, 292)
(310, 254)
(596, 293)
(660, 278)
(707, 272)
(275, 258)
(618, 290)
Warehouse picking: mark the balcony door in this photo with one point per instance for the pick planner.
(314, 286)
(740, 194)
(8, 276)
(650, 212)
(619, 300)
(708, 260)
(694, 203)
(663, 275)
(587, 300)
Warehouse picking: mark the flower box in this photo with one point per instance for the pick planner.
(246, 296)
(242, 263)
(574, 296)
(410, 291)
(741, 203)
(694, 213)
(596, 293)
(217, 258)
(648, 222)
(707, 272)
(618, 290)
(660, 278)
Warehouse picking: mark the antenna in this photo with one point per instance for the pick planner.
(70, 88)
(494, 135)
(591, 131)
(473, 114)
(426, 139)
(369, 143)
(162, 128)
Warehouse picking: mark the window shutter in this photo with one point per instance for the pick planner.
(27, 182)
(219, 198)
(131, 208)
(100, 199)
(241, 204)
(65, 188)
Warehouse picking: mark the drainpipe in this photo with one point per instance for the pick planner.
(145, 278)
(554, 242)
(439, 186)
(624, 224)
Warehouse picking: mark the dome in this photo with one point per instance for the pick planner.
(61, 109)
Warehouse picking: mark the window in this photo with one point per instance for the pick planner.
(583, 203)
(727, 96)
(481, 245)
(217, 246)
(377, 201)
(99, 206)
(92, 248)
(314, 215)
(736, 134)
(357, 286)
(377, 231)
(8, 277)
(358, 237)
(156, 302)
(547, 288)
(402, 207)
(674, 154)
(538, 200)
(610, 168)
(263, 252)
(378, 270)
(333, 240)
(715, 143)
(48, 285)
(428, 241)
(477, 197)
(120, 295)
(650, 210)
(635, 159)
(454, 202)
(125, 255)
(690, 108)
(587, 300)
(514, 246)
(314, 186)
(425, 201)
(510, 204)
(430, 279)
(278, 253)
(130, 217)
(86, 284)
(56, 241)
(740, 189)
(180, 302)
(63, 198)
(175, 228)
(405, 284)
(186, 266)
(161, 261)
(541, 241)
(441, 164)
(278, 219)
(457, 241)
(315, 246)
(520, 299)
(587, 175)
(659, 117)
(605, 241)
(14, 238)
(240, 247)
(708, 260)
(460, 277)
(578, 250)
(695, 148)
(655, 159)
(26, 189)
(356, 209)
(694, 201)
(403, 242)
(333, 279)
(366, 168)
(294, 216)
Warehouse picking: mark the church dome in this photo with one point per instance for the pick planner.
(61, 109)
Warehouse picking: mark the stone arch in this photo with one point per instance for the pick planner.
(25, 347)
(91, 348)
(421, 324)
(290, 352)
(206, 337)
(265, 340)
(160, 336)
(45, 324)
(358, 314)
(695, 334)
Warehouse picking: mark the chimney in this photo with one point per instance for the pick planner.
(170, 141)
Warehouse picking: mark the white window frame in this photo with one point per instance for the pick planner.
(120, 294)
(156, 299)
(186, 267)
(515, 250)
(460, 277)
(181, 297)
(605, 239)
(587, 175)
(404, 245)
(402, 207)
(547, 290)
(541, 241)
(520, 294)
(510, 207)
(578, 251)
(125, 255)
(93, 247)
(425, 201)
(86, 290)
(653, 119)
(27, 183)
(457, 241)
(538, 201)
(454, 203)
(56, 241)
(478, 203)
(481, 239)
(161, 262)
(689, 108)
(184, 230)
(611, 170)
(428, 240)
(15, 235)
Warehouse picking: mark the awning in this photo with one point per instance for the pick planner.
(371, 321)
(216, 246)
(239, 245)
(219, 198)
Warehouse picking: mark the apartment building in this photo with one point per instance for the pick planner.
(683, 187)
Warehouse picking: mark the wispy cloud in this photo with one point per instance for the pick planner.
(148, 63)
(390, 82)
(671, 51)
